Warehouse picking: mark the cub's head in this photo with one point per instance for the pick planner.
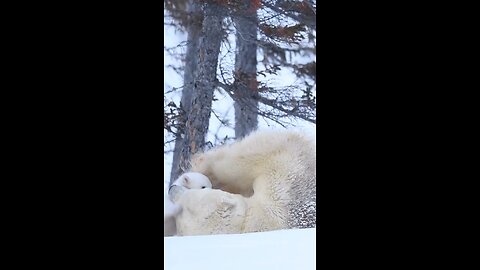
(193, 180)
(210, 211)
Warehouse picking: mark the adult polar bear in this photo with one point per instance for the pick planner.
(267, 182)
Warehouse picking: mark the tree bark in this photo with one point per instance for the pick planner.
(194, 28)
(198, 117)
(245, 84)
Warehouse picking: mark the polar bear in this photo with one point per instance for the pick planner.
(190, 180)
(267, 181)
(193, 180)
(210, 211)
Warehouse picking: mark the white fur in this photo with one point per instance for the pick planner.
(191, 180)
(210, 211)
(170, 210)
(263, 179)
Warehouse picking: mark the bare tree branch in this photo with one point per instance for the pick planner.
(309, 21)
(296, 110)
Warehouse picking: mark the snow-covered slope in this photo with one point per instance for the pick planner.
(274, 250)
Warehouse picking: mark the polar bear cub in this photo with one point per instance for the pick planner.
(190, 180)
(193, 180)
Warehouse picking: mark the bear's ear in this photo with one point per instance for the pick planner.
(186, 180)
(228, 203)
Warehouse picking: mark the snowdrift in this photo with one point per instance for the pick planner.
(274, 250)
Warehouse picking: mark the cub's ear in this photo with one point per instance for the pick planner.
(186, 180)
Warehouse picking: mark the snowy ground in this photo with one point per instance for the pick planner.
(274, 250)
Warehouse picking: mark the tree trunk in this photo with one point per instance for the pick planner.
(198, 117)
(193, 30)
(245, 84)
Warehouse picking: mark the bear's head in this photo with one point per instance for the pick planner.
(209, 211)
(193, 180)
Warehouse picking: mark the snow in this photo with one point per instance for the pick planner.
(276, 250)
